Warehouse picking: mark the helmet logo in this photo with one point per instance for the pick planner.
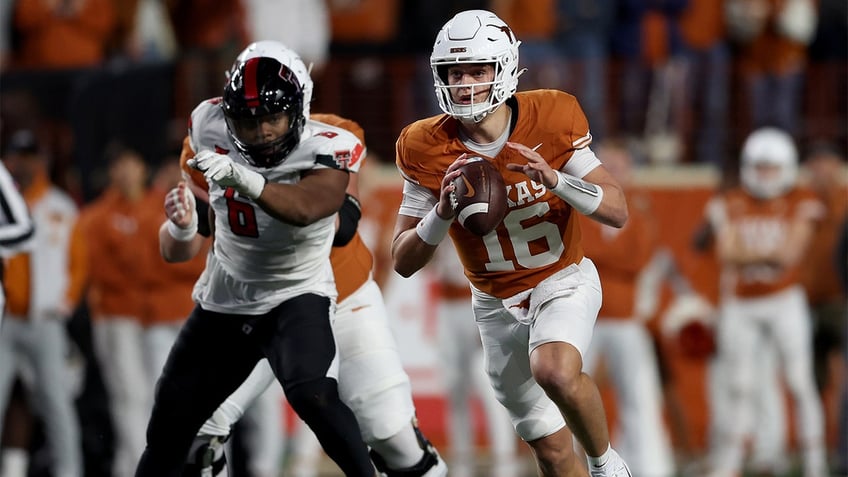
(460, 49)
(251, 92)
(506, 31)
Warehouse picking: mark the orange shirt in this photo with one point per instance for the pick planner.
(540, 234)
(771, 52)
(365, 21)
(621, 254)
(118, 255)
(52, 40)
(763, 225)
(536, 22)
(702, 23)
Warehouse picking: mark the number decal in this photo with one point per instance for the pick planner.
(520, 238)
(241, 215)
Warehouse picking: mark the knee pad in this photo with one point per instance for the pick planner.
(430, 465)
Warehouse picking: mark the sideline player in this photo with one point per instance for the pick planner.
(763, 230)
(535, 296)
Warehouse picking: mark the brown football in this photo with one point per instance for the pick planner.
(479, 199)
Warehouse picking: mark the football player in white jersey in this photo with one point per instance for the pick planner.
(275, 182)
(371, 379)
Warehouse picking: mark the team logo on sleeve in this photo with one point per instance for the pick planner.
(221, 150)
(347, 158)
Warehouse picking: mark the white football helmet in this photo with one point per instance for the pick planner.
(286, 56)
(476, 36)
(774, 147)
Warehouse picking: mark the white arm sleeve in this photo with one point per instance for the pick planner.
(417, 200)
(582, 162)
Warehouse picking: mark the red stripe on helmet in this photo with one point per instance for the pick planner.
(251, 91)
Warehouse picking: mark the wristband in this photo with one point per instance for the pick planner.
(180, 234)
(432, 229)
(584, 196)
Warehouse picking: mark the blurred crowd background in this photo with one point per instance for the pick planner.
(100, 91)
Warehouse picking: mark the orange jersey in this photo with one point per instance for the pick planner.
(351, 263)
(772, 52)
(621, 254)
(540, 234)
(763, 225)
(118, 259)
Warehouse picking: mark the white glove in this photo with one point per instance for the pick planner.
(221, 170)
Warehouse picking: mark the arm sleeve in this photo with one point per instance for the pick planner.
(349, 216)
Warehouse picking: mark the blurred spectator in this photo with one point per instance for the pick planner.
(662, 51)
(582, 41)
(825, 165)
(465, 378)
(706, 64)
(56, 34)
(363, 26)
(828, 53)
(146, 32)
(44, 287)
(621, 338)
(534, 23)
(763, 229)
(119, 260)
(628, 98)
(771, 37)
(209, 33)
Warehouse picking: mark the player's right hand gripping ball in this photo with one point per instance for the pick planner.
(479, 197)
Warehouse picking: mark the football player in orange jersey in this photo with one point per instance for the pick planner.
(763, 230)
(535, 296)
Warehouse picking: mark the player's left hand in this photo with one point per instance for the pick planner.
(220, 169)
(537, 168)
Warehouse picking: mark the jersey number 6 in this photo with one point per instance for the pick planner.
(241, 216)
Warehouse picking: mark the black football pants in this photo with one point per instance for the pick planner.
(214, 353)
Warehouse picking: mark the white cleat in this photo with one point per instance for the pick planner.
(614, 467)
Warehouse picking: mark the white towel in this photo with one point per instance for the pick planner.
(525, 306)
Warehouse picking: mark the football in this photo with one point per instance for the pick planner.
(479, 197)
